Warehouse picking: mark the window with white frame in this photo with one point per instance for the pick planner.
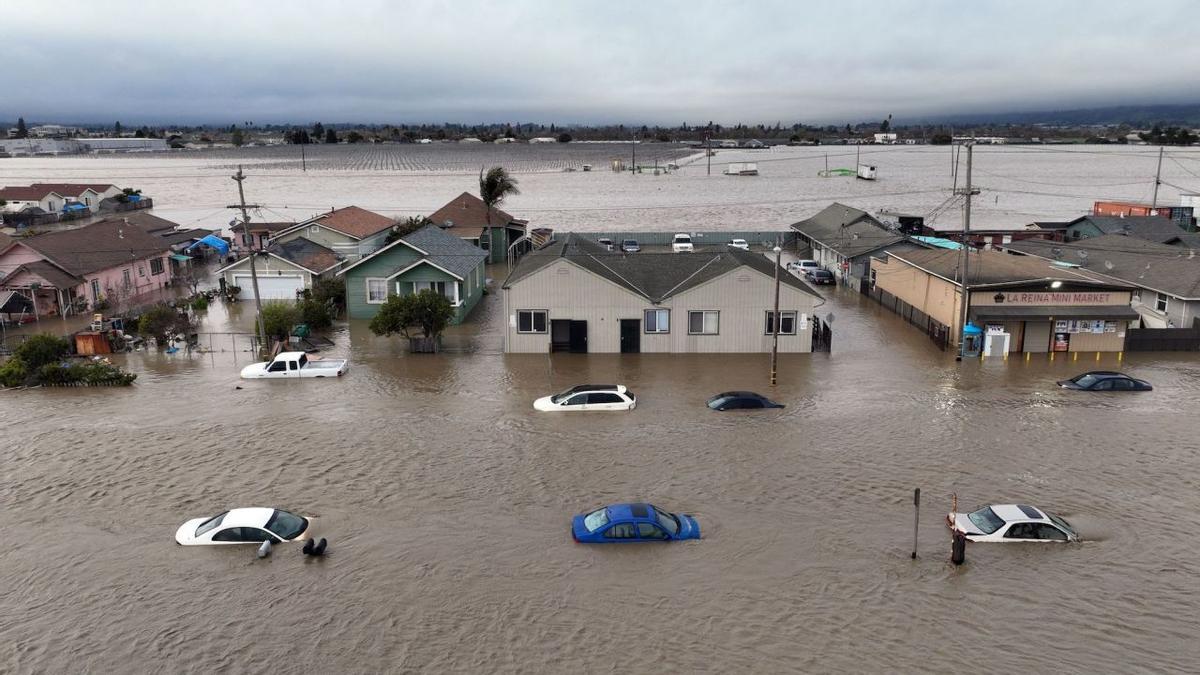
(127, 278)
(704, 322)
(1161, 302)
(376, 291)
(787, 323)
(447, 289)
(314, 228)
(658, 321)
(156, 266)
(531, 320)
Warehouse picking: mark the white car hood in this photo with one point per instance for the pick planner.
(186, 534)
(961, 523)
(254, 370)
(544, 404)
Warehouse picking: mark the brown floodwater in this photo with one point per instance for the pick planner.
(447, 503)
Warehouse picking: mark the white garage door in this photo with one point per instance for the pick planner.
(271, 287)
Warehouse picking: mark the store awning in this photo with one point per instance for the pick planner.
(180, 257)
(1047, 312)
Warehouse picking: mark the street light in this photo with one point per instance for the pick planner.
(775, 318)
(1055, 284)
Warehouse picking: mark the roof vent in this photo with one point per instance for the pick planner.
(448, 223)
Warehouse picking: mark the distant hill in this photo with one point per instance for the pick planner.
(1133, 115)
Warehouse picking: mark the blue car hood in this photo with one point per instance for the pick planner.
(578, 529)
(689, 528)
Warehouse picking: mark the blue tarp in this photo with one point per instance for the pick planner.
(73, 206)
(939, 242)
(212, 241)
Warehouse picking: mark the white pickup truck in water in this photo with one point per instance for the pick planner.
(294, 364)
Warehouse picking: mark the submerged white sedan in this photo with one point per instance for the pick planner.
(244, 526)
(1010, 523)
(588, 397)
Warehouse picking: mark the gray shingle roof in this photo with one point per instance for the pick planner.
(446, 250)
(655, 276)
(994, 268)
(1170, 269)
(849, 231)
(1150, 228)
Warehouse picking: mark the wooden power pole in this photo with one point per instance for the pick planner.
(242, 206)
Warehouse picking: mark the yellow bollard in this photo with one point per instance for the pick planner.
(1051, 356)
(1027, 355)
(1074, 356)
(1097, 356)
(1120, 355)
(1006, 355)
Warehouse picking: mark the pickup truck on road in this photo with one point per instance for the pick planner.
(294, 364)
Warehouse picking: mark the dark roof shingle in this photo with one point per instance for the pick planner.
(655, 276)
(306, 253)
(849, 231)
(446, 250)
(95, 247)
(354, 221)
(988, 268)
(1170, 269)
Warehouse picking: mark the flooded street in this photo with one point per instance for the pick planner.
(447, 503)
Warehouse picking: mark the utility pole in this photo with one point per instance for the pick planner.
(242, 206)
(967, 192)
(1157, 179)
(776, 319)
(633, 160)
(303, 161)
(708, 149)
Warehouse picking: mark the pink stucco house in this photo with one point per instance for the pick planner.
(68, 272)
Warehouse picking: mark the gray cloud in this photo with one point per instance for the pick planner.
(651, 62)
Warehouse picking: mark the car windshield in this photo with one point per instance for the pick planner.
(986, 520)
(680, 239)
(1063, 524)
(822, 273)
(717, 401)
(668, 521)
(629, 242)
(210, 524)
(596, 519)
(559, 398)
(1086, 380)
(286, 525)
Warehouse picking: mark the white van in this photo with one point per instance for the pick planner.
(682, 243)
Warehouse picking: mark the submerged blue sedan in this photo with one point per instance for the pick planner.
(624, 523)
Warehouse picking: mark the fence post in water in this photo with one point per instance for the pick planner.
(958, 549)
(916, 519)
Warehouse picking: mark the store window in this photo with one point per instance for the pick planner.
(658, 321)
(787, 323)
(704, 322)
(531, 321)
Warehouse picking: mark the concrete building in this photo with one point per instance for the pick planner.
(1020, 303)
(574, 295)
(842, 239)
(1166, 277)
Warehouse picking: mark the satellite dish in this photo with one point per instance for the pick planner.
(1108, 264)
(1083, 255)
(1057, 252)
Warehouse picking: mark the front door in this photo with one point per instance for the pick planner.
(631, 336)
(579, 340)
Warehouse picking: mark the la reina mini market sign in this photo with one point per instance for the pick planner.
(1025, 298)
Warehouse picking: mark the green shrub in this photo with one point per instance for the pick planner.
(161, 321)
(330, 290)
(278, 319)
(13, 373)
(314, 313)
(199, 303)
(41, 349)
(429, 311)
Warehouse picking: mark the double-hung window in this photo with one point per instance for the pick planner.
(376, 291)
(704, 322)
(156, 266)
(1161, 301)
(531, 321)
(787, 323)
(658, 321)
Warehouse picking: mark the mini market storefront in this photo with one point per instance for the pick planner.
(1035, 320)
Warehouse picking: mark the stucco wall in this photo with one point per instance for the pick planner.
(936, 297)
(569, 292)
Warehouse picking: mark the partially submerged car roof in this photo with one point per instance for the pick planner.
(1011, 512)
(247, 517)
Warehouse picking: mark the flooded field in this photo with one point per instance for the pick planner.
(1019, 184)
(447, 503)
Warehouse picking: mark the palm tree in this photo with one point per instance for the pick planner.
(494, 186)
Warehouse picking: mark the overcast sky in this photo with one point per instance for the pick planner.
(570, 61)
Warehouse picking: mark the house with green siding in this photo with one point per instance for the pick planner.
(493, 230)
(428, 259)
